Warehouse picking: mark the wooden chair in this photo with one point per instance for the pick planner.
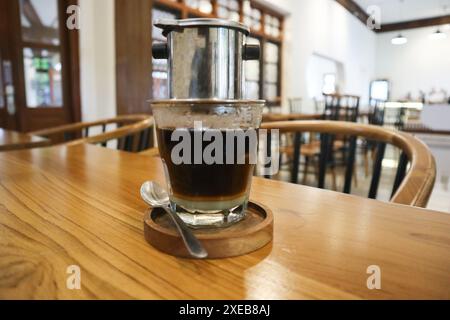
(411, 187)
(337, 107)
(295, 105)
(376, 118)
(133, 133)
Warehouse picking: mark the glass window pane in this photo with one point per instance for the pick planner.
(159, 72)
(252, 74)
(247, 8)
(234, 16)
(252, 66)
(252, 90)
(39, 19)
(43, 79)
(271, 73)
(270, 91)
(329, 83)
(223, 12)
(205, 6)
(271, 53)
(228, 9)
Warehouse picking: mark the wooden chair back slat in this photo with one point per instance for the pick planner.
(296, 160)
(349, 171)
(401, 172)
(377, 166)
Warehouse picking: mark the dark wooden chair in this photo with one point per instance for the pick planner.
(375, 118)
(411, 186)
(132, 133)
(295, 105)
(337, 107)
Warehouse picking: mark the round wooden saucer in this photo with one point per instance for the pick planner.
(250, 234)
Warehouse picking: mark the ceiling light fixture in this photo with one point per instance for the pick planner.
(399, 40)
(438, 34)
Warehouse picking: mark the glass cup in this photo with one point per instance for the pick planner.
(209, 152)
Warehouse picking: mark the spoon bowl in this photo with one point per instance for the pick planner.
(157, 197)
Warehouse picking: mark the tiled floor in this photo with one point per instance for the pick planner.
(440, 147)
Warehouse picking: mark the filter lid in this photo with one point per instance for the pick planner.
(169, 25)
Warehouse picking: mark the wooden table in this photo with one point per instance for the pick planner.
(64, 206)
(272, 117)
(12, 140)
(418, 127)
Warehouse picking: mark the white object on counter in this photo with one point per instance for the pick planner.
(436, 117)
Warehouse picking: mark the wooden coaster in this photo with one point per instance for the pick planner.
(250, 234)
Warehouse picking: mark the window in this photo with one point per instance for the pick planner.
(252, 16)
(252, 69)
(228, 9)
(43, 85)
(159, 67)
(329, 83)
(271, 64)
(379, 90)
(39, 20)
(41, 47)
(262, 81)
(204, 6)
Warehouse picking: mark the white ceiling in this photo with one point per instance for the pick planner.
(397, 10)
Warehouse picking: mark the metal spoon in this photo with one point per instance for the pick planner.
(155, 196)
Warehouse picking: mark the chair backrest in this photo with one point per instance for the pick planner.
(376, 112)
(295, 105)
(341, 107)
(411, 187)
(337, 108)
(132, 133)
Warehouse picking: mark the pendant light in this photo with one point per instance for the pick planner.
(399, 39)
(438, 34)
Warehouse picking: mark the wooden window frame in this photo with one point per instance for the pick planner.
(185, 12)
(26, 118)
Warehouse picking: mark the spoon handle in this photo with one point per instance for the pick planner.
(193, 245)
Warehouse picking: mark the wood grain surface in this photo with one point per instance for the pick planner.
(252, 233)
(12, 140)
(80, 205)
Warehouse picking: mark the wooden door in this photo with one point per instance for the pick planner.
(40, 69)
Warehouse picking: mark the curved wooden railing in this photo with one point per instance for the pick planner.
(133, 132)
(414, 187)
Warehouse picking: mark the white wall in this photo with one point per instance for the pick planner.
(314, 26)
(326, 28)
(420, 64)
(97, 59)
